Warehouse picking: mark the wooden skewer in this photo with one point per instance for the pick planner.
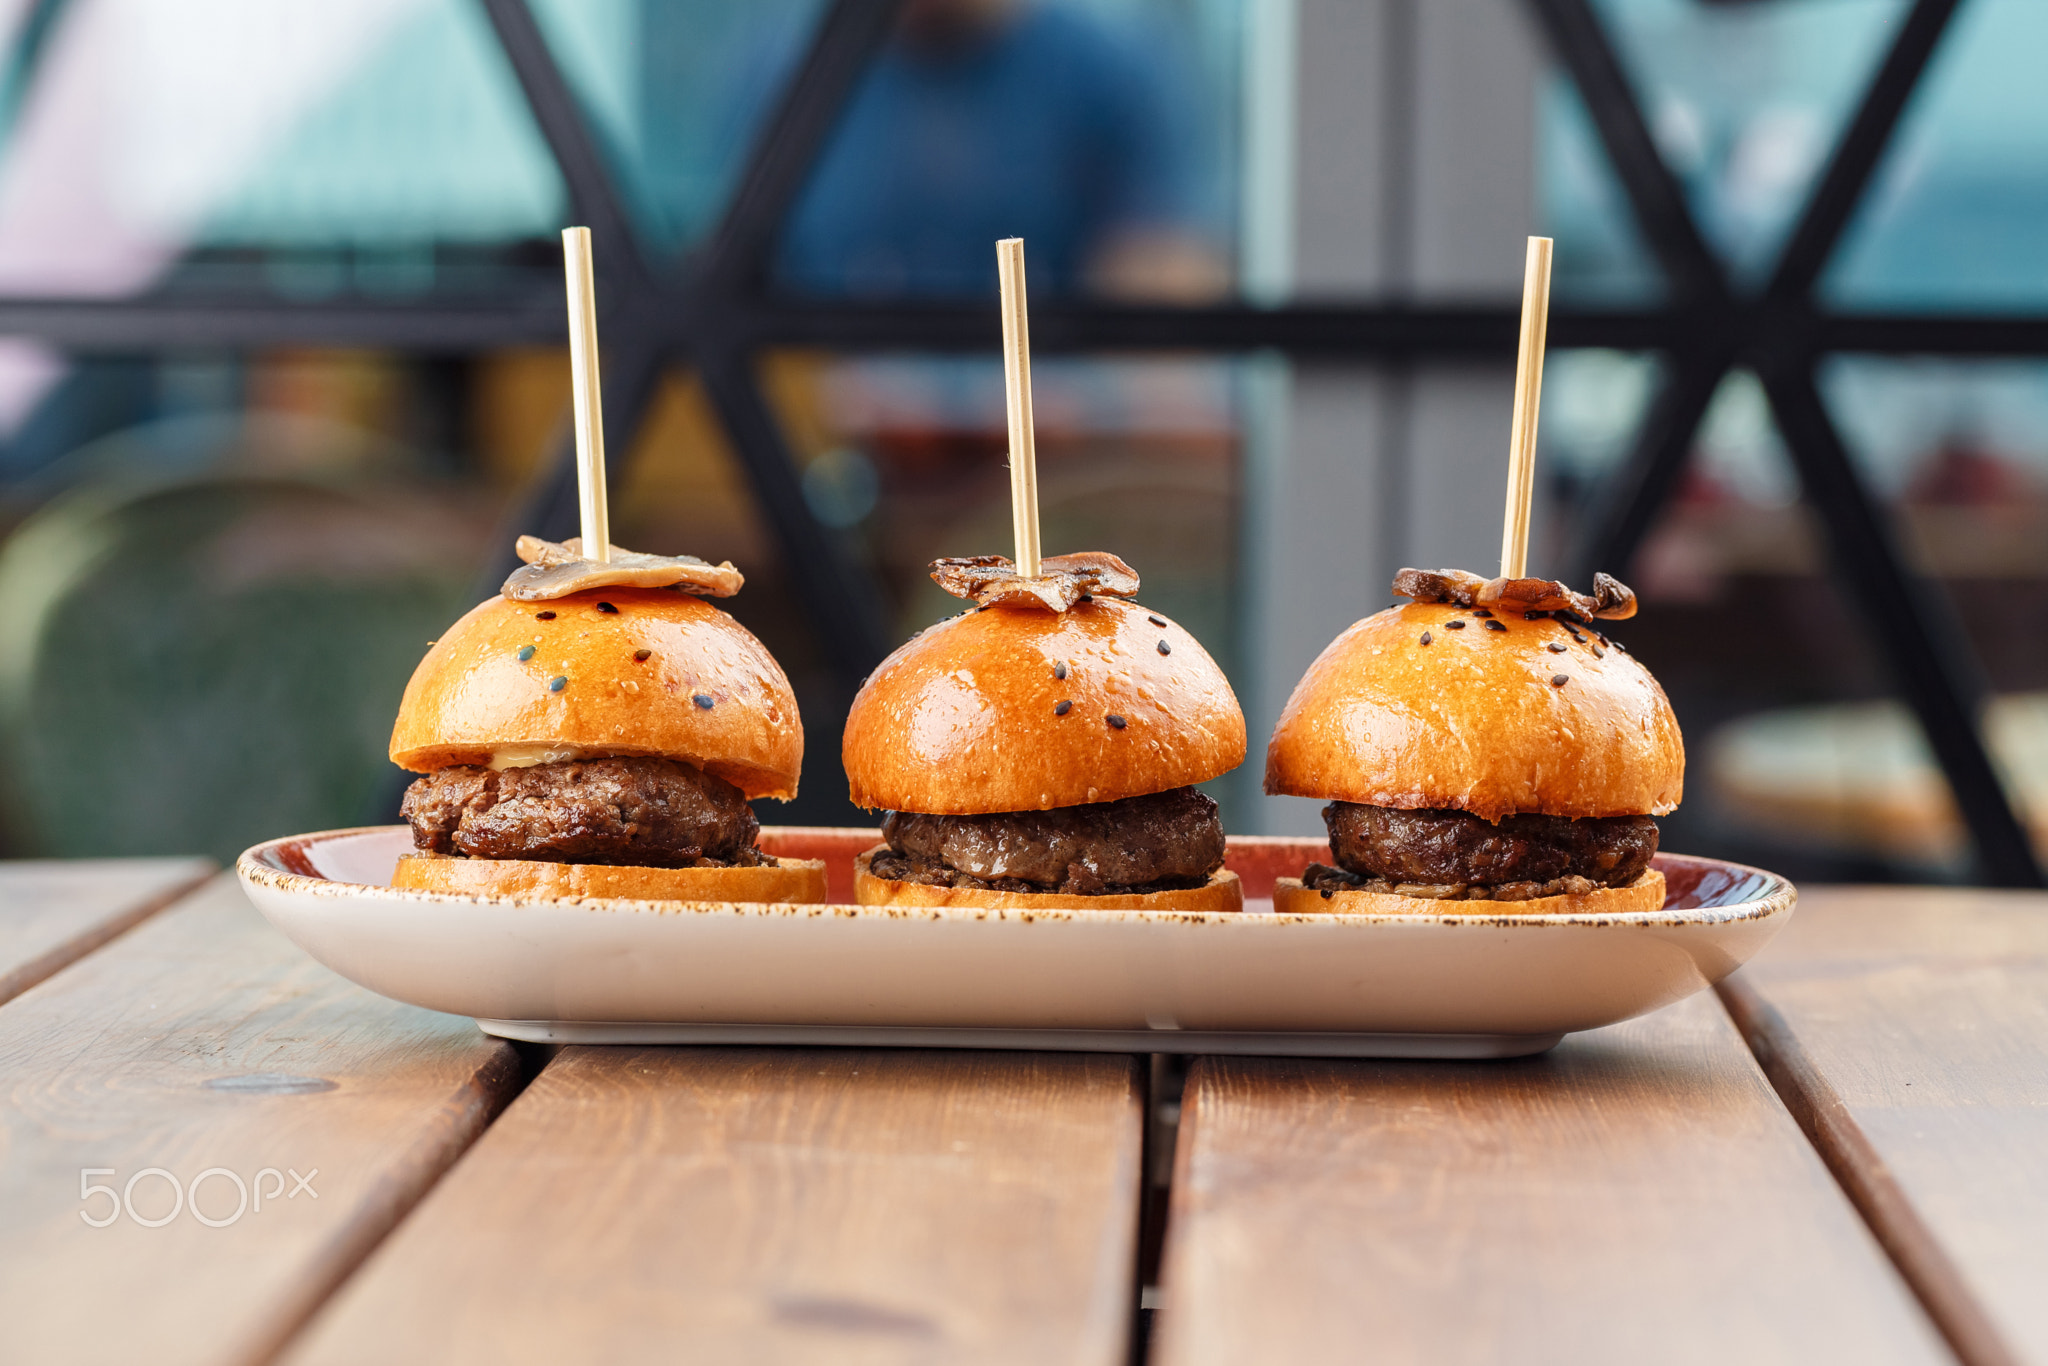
(1514, 535)
(1017, 393)
(590, 485)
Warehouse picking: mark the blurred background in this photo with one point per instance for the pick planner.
(282, 368)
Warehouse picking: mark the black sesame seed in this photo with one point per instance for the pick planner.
(1164, 648)
(1425, 637)
(1327, 893)
(1619, 646)
(703, 699)
(1118, 722)
(1062, 708)
(543, 616)
(1156, 621)
(1534, 616)
(1481, 612)
(557, 684)
(1085, 597)
(1059, 670)
(641, 656)
(1558, 680)
(525, 653)
(1495, 626)
(1555, 648)
(607, 607)
(1599, 653)
(1454, 626)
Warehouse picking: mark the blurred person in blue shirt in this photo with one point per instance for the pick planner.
(1009, 118)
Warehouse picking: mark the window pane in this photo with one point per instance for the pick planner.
(1960, 451)
(1102, 133)
(1736, 557)
(1593, 403)
(308, 151)
(1804, 757)
(1746, 102)
(1599, 256)
(223, 580)
(678, 91)
(1953, 217)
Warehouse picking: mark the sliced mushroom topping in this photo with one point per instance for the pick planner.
(1533, 595)
(555, 570)
(1610, 598)
(1439, 585)
(1062, 581)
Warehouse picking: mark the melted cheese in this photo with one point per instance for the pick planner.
(526, 756)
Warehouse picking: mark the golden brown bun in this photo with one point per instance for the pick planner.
(472, 694)
(961, 719)
(1646, 893)
(1472, 721)
(793, 880)
(1223, 892)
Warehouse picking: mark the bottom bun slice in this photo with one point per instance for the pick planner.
(1646, 893)
(1222, 892)
(788, 881)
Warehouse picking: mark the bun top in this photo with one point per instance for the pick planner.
(1476, 720)
(965, 718)
(630, 680)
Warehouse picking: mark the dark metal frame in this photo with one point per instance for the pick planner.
(715, 311)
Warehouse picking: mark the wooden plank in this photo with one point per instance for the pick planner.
(765, 1205)
(1909, 1029)
(53, 912)
(1639, 1194)
(202, 1039)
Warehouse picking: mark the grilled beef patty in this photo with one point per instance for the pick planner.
(1155, 843)
(1458, 849)
(655, 813)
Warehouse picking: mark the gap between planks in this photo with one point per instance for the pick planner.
(1865, 1177)
(108, 1062)
(1639, 1194)
(1812, 1101)
(97, 931)
(398, 1193)
(842, 1204)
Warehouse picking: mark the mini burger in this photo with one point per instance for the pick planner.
(1484, 749)
(598, 730)
(1041, 750)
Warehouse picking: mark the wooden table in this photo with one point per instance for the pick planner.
(212, 1150)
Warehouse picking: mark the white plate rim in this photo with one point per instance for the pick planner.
(260, 866)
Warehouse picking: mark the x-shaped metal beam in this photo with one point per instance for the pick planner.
(712, 311)
(1780, 334)
(696, 311)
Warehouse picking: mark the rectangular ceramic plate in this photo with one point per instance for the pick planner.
(602, 970)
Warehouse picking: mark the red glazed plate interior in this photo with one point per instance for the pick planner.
(1690, 884)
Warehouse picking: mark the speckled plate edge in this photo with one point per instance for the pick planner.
(267, 865)
(545, 971)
